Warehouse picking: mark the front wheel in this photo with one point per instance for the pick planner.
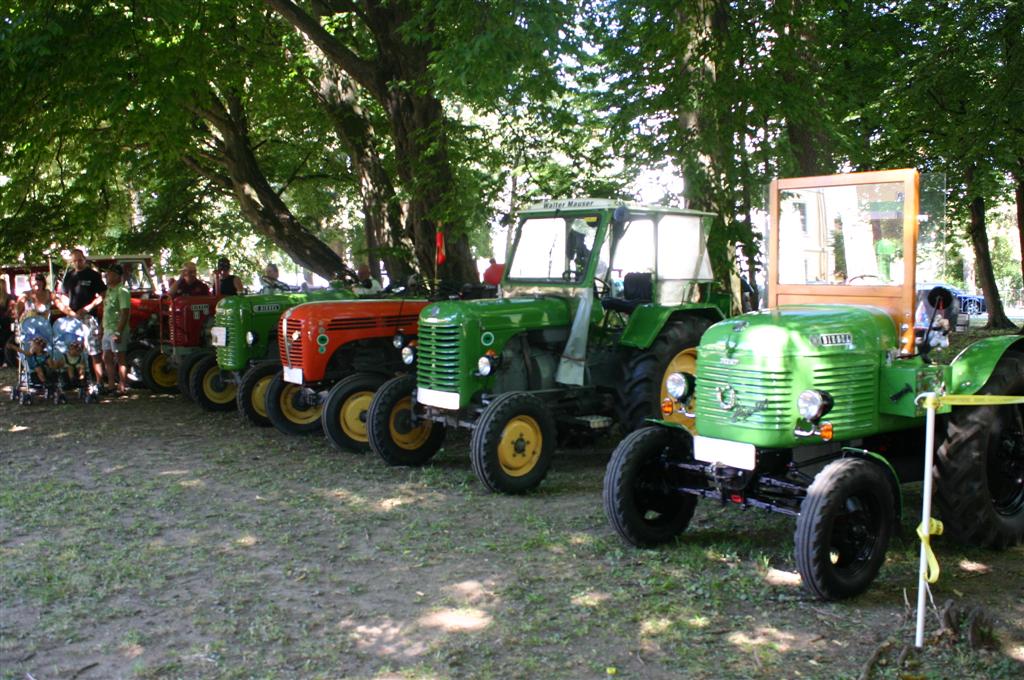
(185, 370)
(211, 387)
(979, 468)
(157, 372)
(639, 499)
(394, 431)
(843, 529)
(252, 393)
(513, 443)
(289, 409)
(346, 409)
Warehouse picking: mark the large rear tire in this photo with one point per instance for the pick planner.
(286, 409)
(212, 388)
(393, 434)
(252, 393)
(346, 409)
(979, 468)
(185, 370)
(640, 392)
(843, 529)
(639, 500)
(157, 372)
(513, 443)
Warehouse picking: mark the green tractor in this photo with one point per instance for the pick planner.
(810, 408)
(598, 301)
(244, 336)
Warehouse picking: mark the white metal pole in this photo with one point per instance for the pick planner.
(926, 513)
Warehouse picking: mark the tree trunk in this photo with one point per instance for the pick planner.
(1019, 195)
(382, 212)
(983, 259)
(259, 203)
(399, 78)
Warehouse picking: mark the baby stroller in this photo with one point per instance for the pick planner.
(68, 331)
(29, 385)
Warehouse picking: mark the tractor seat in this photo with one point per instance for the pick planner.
(637, 289)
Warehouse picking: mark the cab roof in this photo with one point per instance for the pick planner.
(591, 204)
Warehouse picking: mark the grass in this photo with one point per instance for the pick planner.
(158, 542)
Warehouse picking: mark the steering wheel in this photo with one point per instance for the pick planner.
(861, 276)
(601, 287)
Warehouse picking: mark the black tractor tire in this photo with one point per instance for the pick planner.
(979, 467)
(844, 527)
(186, 367)
(392, 437)
(346, 409)
(157, 372)
(212, 388)
(513, 443)
(283, 412)
(639, 392)
(252, 393)
(133, 359)
(639, 501)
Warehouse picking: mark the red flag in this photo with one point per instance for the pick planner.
(441, 255)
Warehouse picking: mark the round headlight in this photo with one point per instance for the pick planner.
(484, 365)
(398, 341)
(408, 355)
(678, 386)
(813, 404)
(296, 335)
(250, 337)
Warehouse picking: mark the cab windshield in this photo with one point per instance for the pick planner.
(553, 249)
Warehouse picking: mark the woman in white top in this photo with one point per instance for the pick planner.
(35, 302)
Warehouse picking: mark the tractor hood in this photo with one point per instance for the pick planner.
(497, 316)
(803, 330)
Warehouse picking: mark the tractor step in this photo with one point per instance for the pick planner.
(594, 422)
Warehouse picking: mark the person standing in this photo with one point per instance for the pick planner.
(188, 283)
(366, 285)
(117, 304)
(493, 273)
(6, 323)
(35, 302)
(225, 282)
(81, 295)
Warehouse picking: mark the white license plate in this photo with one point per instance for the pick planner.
(445, 400)
(219, 336)
(293, 375)
(734, 454)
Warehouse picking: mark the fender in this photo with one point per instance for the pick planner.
(646, 321)
(974, 365)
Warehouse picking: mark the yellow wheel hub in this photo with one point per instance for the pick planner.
(215, 389)
(520, 446)
(353, 415)
(259, 394)
(684, 362)
(296, 414)
(403, 433)
(162, 374)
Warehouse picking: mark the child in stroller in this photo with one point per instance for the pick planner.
(36, 368)
(69, 339)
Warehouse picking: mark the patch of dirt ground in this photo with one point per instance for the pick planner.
(144, 538)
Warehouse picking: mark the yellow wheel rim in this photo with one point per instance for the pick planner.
(405, 437)
(225, 394)
(353, 414)
(684, 362)
(161, 373)
(259, 394)
(299, 416)
(520, 446)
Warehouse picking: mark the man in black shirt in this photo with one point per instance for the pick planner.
(81, 294)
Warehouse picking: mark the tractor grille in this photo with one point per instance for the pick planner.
(232, 356)
(768, 394)
(437, 363)
(291, 353)
(359, 323)
(855, 389)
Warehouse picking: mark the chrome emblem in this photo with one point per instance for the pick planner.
(726, 397)
(832, 340)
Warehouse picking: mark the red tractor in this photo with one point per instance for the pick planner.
(184, 339)
(334, 356)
